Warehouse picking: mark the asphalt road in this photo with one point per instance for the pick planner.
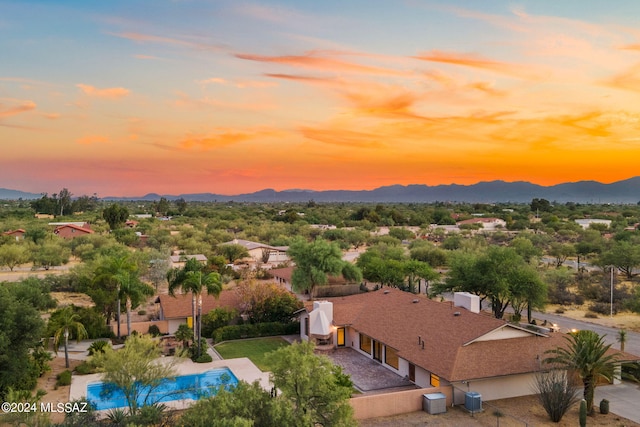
(610, 334)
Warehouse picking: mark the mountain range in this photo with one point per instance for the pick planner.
(620, 192)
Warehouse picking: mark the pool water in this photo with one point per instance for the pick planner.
(194, 387)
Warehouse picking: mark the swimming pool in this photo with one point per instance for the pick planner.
(194, 387)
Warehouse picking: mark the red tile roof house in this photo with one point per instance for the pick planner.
(71, 231)
(433, 343)
(177, 310)
(18, 234)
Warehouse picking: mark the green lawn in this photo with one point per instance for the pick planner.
(254, 349)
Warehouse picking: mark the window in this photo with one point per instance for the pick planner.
(340, 337)
(365, 344)
(377, 351)
(435, 380)
(391, 356)
(306, 326)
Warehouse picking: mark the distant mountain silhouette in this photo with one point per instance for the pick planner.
(621, 192)
(6, 194)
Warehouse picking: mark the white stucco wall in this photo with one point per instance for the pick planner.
(497, 388)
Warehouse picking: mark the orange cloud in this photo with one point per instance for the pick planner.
(92, 139)
(108, 93)
(315, 60)
(222, 137)
(185, 101)
(477, 61)
(11, 107)
(626, 80)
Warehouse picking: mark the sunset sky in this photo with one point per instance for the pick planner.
(123, 98)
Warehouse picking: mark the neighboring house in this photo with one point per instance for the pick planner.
(586, 222)
(43, 216)
(433, 343)
(277, 254)
(179, 261)
(130, 223)
(72, 230)
(177, 310)
(487, 223)
(17, 234)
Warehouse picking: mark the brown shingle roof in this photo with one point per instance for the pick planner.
(180, 306)
(393, 318)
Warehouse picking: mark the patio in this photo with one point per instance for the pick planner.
(367, 374)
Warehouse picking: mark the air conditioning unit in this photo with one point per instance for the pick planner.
(473, 401)
(434, 403)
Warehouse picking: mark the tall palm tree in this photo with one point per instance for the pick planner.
(67, 324)
(586, 355)
(176, 278)
(133, 291)
(198, 282)
(107, 274)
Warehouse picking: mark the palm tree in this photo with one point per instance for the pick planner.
(622, 338)
(107, 274)
(586, 355)
(67, 324)
(198, 282)
(176, 278)
(133, 291)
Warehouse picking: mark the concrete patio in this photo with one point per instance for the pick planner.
(367, 374)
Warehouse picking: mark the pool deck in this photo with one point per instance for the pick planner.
(242, 368)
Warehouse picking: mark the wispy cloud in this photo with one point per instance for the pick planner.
(320, 60)
(108, 93)
(11, 107)
(223, 137)
(478, 61)
(186, 101)
(191, 42)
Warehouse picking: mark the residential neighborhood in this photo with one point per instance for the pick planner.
(408, 312)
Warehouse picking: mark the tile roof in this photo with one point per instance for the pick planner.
(398, 318)
(249, 245)
(180, 306)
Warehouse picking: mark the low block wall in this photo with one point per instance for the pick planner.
(388, 404)
(141, 327)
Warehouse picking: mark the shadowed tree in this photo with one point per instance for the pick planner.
(67, 325)
(586, 355)
(108, 275)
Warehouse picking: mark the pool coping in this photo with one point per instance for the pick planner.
(242, 368)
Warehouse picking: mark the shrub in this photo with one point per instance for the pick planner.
(204, 358)
(255, 330)
(98, 347)
(154, 331)
(142, 312)
(63, 378)
(590, 315)
(85, 368)
(557, 392)
(217, 318)
(603, 308)
(559, 310)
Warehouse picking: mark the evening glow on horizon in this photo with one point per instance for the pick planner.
(125, 97)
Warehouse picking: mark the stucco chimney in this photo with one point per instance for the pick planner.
(466, 300)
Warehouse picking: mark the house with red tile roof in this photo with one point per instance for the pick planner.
(17, 234)
(177, 309)
(433, 343)
(72, 230)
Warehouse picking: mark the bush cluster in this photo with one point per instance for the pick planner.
(254, 330)
(63, 378)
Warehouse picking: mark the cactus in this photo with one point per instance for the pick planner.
(583, 413)
(604, 406)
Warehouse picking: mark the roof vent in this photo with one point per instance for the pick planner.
(457, 313)
(386, 292)
(415, 301)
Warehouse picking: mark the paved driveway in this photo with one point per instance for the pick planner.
(367, 374)
(624, 399)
